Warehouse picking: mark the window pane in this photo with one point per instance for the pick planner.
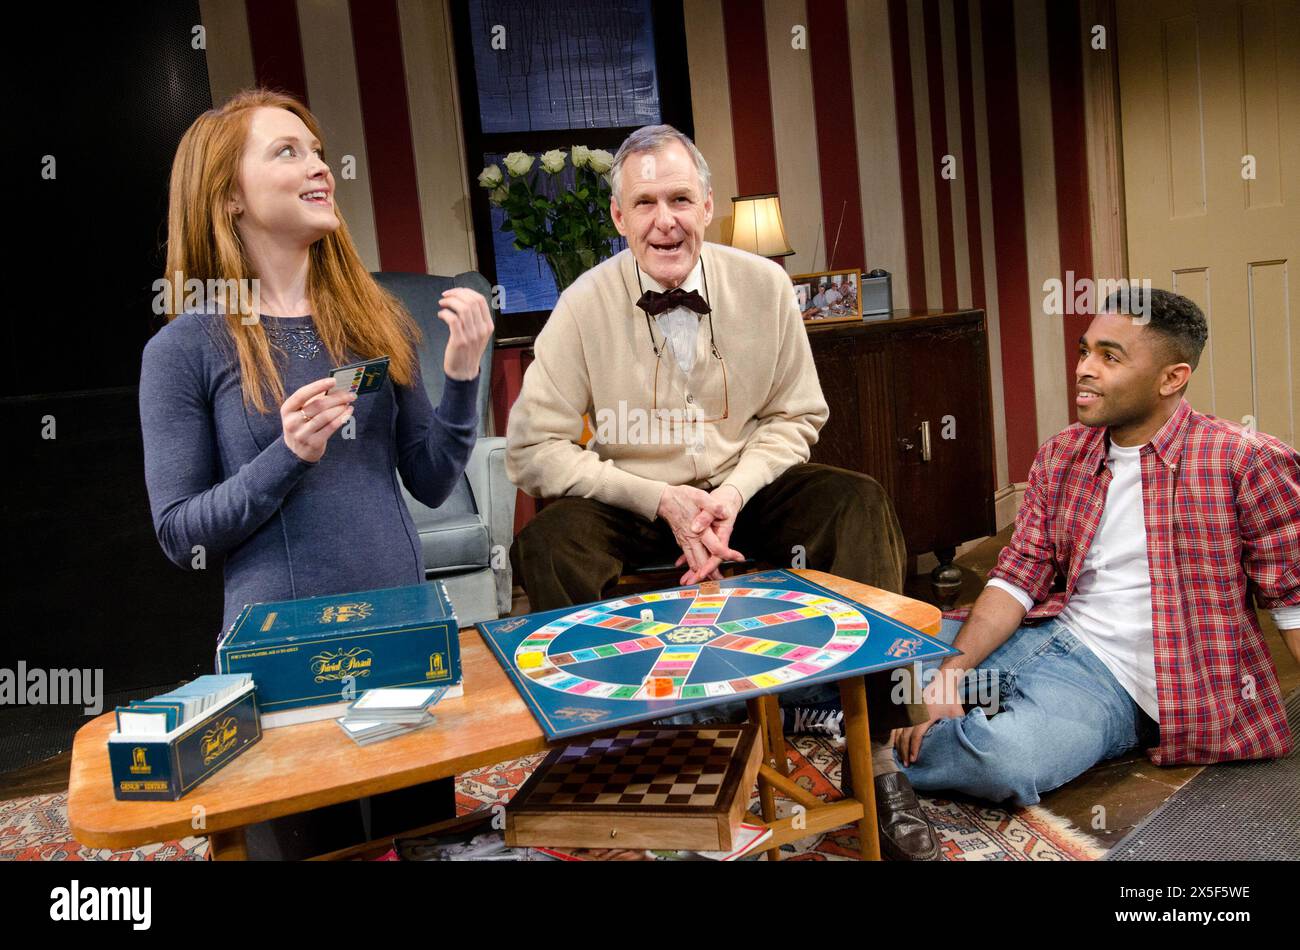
(523, 275)
(580, 64)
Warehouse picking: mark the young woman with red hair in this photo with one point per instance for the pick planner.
(243, 453)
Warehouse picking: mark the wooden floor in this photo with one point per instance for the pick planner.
(43, 778)
(1105, 802)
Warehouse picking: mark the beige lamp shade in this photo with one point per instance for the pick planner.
(758, 226)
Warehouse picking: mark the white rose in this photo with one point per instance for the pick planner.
(600, 160)
(490, 177)
(553, 160)
(581, 155)
(518, 163)
(498, 195)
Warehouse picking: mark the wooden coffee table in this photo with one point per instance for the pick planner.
(299, 768)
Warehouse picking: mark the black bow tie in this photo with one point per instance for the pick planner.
(655, 303)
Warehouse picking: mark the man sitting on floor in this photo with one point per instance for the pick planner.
(692, 363)
(1162, 523)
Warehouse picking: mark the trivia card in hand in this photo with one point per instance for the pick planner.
(361, 378)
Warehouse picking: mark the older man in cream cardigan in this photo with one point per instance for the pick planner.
(692, 363)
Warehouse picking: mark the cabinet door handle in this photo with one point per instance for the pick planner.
(925, 441)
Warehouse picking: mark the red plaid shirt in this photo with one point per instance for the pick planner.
(1222, 511)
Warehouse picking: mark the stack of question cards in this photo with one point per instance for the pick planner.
(383, 713)
(166, 712)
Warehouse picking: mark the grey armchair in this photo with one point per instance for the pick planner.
(466, 540)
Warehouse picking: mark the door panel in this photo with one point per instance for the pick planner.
(1203, 85)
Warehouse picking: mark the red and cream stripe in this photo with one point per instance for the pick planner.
(997, 85)
(380, 76)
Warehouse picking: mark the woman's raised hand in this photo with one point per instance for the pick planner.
(311, 415)
(469, 319)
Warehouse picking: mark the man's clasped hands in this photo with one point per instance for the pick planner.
(702, 523)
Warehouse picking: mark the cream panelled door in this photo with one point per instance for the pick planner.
(1208, 90)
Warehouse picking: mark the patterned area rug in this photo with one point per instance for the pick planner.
(37, 828)
(967, 830)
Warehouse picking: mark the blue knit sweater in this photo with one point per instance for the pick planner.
(222, 479)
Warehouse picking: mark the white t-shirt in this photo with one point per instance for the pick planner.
(1110, 610)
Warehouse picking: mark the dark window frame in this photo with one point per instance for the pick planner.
(674, 107)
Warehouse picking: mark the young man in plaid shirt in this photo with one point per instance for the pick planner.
(1122, 612)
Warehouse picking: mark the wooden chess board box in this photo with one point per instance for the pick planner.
(662, 788)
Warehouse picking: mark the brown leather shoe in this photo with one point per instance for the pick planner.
(905, 832)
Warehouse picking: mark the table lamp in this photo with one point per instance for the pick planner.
(758, 227)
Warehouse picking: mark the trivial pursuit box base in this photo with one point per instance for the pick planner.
(164, 768)
(325, 649)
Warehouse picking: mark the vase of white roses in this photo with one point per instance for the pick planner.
(569, 227)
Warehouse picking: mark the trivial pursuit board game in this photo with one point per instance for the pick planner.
(657, 654)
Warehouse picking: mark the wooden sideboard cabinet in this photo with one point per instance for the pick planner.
(911, 406)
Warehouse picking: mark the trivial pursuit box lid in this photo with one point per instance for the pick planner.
(371, 611)
(319, 650)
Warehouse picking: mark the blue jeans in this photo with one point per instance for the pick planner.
(1060, 711)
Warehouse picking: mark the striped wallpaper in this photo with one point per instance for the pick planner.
(846, 108)
(380, 76)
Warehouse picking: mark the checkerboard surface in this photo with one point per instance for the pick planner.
(640, 767)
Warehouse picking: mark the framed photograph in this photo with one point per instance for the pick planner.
(829, 297)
